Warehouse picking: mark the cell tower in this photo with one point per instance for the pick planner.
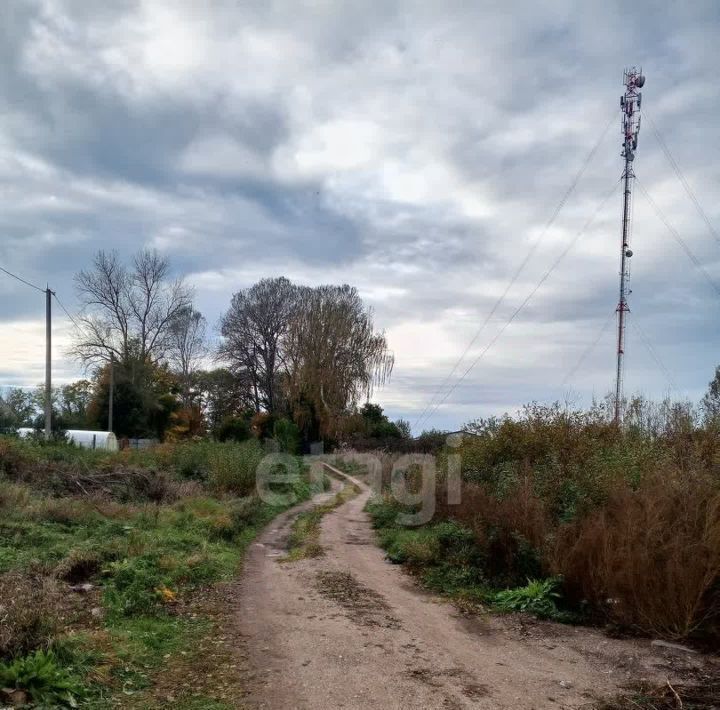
(630, 103)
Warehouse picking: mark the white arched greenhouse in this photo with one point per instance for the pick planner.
(93, 439)
(103, 440)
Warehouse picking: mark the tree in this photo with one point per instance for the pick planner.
(186, 423)
(287, 435)
(333, 357)
(127, 312)
(403, 426)
(223, 395)
(186, 350)
(377, 425)
(73, 403)
(253, 330)
(233, 429)
(17, 409)
(711, 400)
(307, 353)
(143, 401)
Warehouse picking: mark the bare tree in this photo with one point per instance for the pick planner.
(187, 348)
(253, 330)
(127, 312)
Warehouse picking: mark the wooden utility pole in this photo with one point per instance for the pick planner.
(48, 363)
(112, 391)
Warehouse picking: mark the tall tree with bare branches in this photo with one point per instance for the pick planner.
(187, 348)
(253, 330)
(127, 312)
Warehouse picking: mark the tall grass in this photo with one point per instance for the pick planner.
(628, 518)
(650, 557)
(226, 467)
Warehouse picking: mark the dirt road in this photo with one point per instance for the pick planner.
(350, 630)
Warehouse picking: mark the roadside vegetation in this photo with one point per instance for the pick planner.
(108, 564)
(568, 517)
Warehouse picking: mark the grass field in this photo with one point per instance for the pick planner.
(109, 565)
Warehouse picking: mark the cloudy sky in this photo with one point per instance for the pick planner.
(414, 149)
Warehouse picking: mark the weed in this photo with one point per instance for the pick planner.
(538, 597)
(648, 559)
(132, 587)
(666, 697)
(41, 677)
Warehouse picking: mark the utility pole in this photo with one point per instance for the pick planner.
(48, 363)
(112, 391)
(630, 105)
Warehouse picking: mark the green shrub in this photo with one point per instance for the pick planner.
(383, 512)
(457, 581)
(413, 547)
(233, 467)
(246, 512)
(40, 676)
(190, 460)
(233, 429)
(14, 455)
(453, 537)
(287, 434)
(537, 597)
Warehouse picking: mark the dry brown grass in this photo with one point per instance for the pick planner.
(28, 617)
(649, 558)
(680, 696)
(506, 529)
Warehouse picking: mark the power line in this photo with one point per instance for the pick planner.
(681, 178)
(42, 290)
(67, 313)
(21, 280)
(519, 269)
(517, 311)
(675, 234)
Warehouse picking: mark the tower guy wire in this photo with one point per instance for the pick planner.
(681, 178)
(590, 347)
(654, 354)
(519, 269)
(535, 289)
(676, 236)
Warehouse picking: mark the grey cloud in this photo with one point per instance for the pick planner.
(414, 148)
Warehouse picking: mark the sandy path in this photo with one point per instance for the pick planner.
(350, 630)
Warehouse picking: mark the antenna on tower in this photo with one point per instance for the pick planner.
(630, 103)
